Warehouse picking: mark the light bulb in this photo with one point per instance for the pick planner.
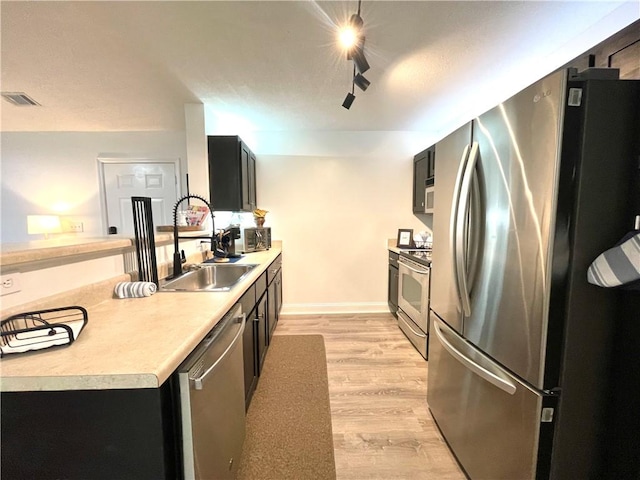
(348, 37)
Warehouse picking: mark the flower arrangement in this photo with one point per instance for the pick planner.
(259, 216)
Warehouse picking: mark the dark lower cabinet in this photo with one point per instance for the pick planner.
(272, 318)
(123, 434)
(278, 281)
(261, 329)
(274, 303)
(255, 338)
(90, 434)
(274, 300)
(392, 285)
(250, 369)
(248, 303)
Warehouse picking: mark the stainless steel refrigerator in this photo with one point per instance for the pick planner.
(526, 196)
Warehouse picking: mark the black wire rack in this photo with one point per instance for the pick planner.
(41, 329)
(145, 239)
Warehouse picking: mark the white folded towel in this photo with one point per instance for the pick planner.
(135, 289)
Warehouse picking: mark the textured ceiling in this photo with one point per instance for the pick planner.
(131, 66)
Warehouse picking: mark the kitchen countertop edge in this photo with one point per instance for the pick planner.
(108, 354)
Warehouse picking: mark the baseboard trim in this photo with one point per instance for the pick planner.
(329, 308)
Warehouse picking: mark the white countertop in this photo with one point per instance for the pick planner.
(129, 343)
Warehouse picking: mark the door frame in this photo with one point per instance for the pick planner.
(102, 160)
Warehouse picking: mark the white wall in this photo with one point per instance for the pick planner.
(52, 172)
(334, 214)
(334, 200)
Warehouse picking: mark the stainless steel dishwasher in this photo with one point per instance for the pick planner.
(212, 406)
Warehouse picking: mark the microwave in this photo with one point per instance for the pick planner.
(430, 182)
(256, 239)
(429, 196)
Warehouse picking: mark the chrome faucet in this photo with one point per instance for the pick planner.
(177, 259)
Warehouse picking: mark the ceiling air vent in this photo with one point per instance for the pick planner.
(19, 98)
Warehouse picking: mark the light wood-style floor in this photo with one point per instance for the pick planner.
(382, 428)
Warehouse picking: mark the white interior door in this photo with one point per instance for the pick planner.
(130, 179)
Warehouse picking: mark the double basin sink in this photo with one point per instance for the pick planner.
(208, 277)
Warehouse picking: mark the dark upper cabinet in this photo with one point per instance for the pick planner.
(423, 174)
(621, 51)
(232, 174)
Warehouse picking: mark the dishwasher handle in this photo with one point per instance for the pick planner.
(239, 320)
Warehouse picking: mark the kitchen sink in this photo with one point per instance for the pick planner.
(208, 278)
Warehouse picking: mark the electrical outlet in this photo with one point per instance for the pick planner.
(9, 283)
(76, 227)
(72, 226)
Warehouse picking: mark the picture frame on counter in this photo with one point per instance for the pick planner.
(405, 238)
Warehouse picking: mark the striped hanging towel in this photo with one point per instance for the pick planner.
(619, 265)
(134, 289)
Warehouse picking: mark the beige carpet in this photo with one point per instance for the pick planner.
(289, 420)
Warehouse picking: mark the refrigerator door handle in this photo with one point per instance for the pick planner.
(479, 370)
(453, 225)
(476, 225)
(462, 229)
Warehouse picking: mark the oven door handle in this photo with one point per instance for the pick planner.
(423, 272)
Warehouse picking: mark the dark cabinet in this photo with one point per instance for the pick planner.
(254, 342)
(423, 176)
(392, 285)
(261, 327)
(278, 282)
(248, 302)
(232, 174)
(120, 433)
(274, 302)
(620, 51)
(96, 434)
(272, 317)
(250, 370)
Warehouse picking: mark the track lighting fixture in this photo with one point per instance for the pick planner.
(356, 21)
(356, 53)
(353, 40)
(361, 82)
(348, 100)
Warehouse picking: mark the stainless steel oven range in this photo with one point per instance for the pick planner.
(414, 268)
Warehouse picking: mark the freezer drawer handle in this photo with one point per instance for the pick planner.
(408, 325)
(490, 377)
(240, 320)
